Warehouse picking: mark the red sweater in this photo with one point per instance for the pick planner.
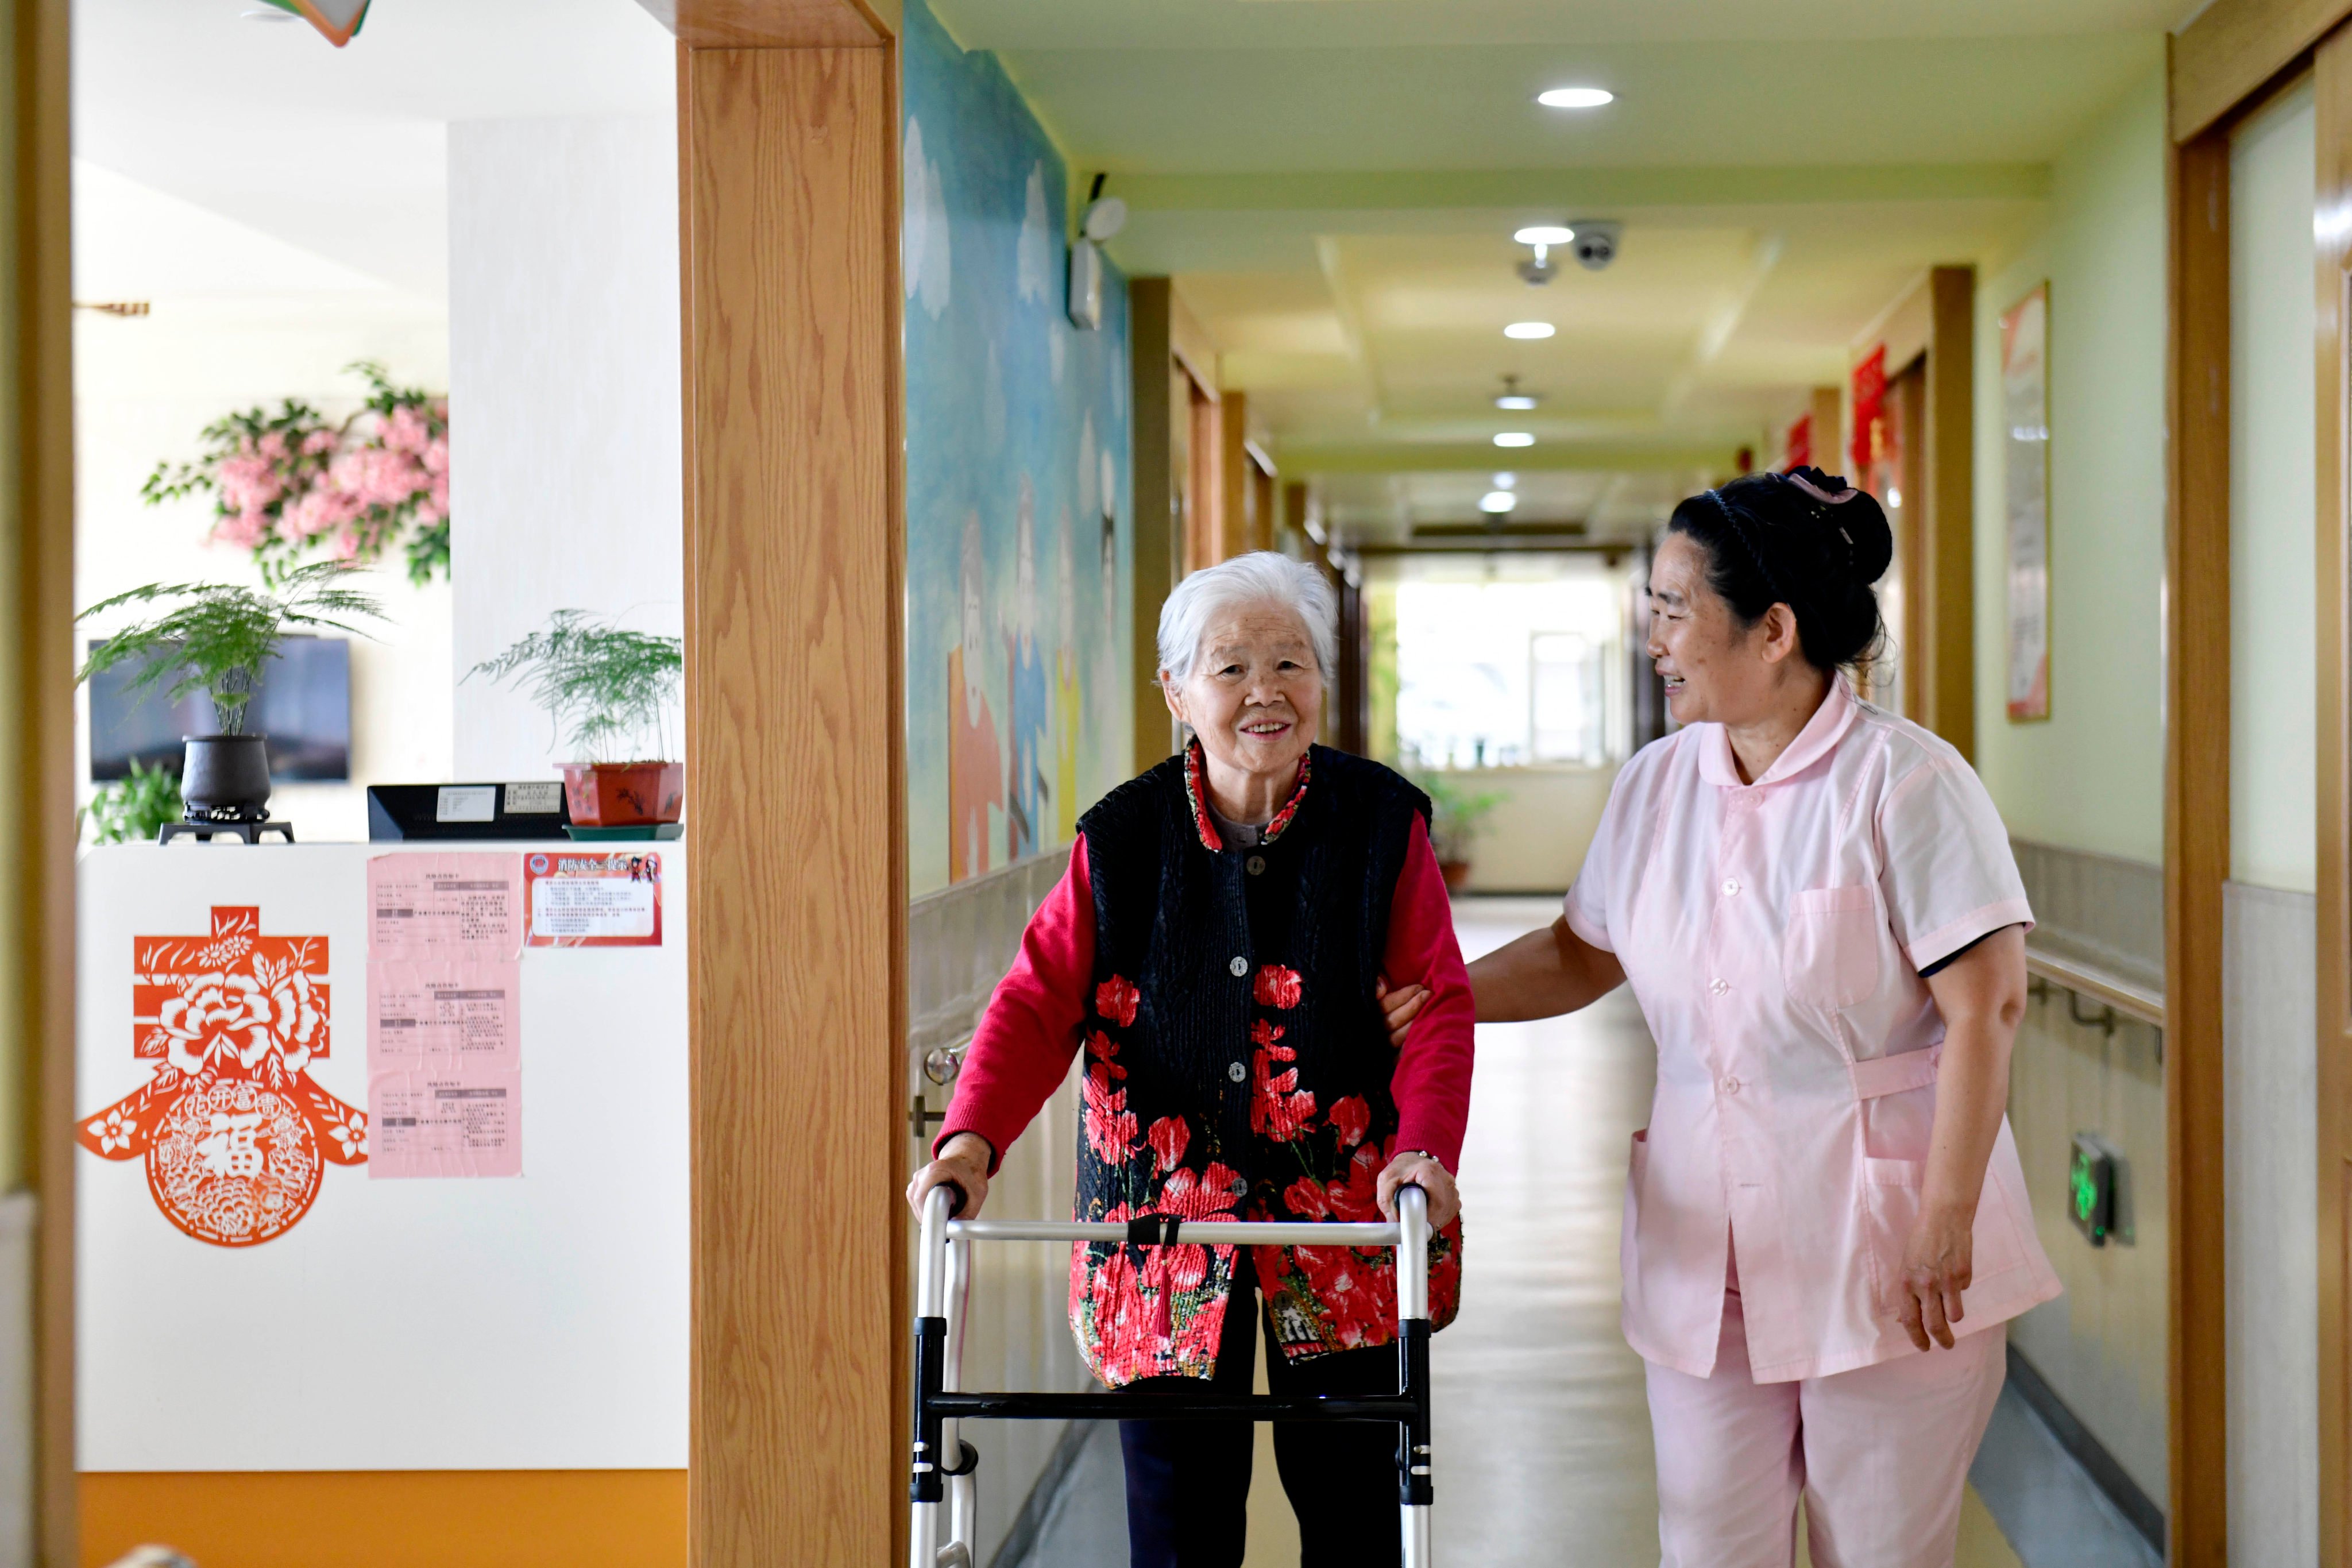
(1023, 1048)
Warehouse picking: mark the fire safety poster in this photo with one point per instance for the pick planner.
(608, 900)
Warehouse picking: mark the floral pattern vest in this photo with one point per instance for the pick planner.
(1237, 1066)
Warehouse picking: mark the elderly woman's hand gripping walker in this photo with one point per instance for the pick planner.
(1218, 947)
(1816, 906)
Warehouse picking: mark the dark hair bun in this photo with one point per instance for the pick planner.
(1804, 539)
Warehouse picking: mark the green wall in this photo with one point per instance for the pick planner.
(2091, 776)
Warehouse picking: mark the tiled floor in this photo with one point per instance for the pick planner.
(1542, 1437)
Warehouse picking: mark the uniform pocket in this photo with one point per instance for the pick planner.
(1890, 1196)
(1829, 956)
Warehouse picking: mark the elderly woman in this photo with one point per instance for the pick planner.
(1815, 904)
(1219, 946)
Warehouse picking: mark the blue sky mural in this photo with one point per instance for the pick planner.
(1018, 514)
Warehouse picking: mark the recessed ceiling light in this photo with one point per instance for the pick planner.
(1519, 402)
(1528, 329)
(1576, 98)
(1506, 481)
(1515, 439)
(1544, 233)
(1494, 503)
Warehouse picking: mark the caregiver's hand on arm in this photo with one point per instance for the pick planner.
(1541, 975)
(1981, 996)
(963, 1161)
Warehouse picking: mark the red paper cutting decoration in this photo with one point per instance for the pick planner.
(234, 1134)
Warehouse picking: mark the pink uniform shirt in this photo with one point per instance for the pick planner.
(1773, 935)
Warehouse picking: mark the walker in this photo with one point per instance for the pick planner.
(941, 1407)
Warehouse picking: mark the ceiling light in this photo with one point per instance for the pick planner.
(1517, 401)
(1544, 233)
(1528, 329)
(1575, 98)
(1506, 481)
(1494, 503)
(1515, 439)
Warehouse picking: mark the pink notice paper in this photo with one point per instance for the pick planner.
(445, 1067)
(444, 1010)
(460, 1120)
(461, 905)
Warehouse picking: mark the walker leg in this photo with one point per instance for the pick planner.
(1414, 1489)
(924, 1486)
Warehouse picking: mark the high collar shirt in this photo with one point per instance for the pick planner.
(1773, 933)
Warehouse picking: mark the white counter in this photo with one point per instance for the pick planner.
(538, 1323)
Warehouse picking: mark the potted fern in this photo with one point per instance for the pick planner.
(216, 639)
(611, 688)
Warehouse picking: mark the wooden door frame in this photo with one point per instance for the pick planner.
(2196, 847)
(2332, 82)
(796, 702)
(40, 745)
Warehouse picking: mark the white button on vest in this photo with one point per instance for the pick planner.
(1236, 1072)
(1240, 966)
(1731, 887)
(1718, 986)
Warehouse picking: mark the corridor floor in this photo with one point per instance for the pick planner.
(1543, 1436)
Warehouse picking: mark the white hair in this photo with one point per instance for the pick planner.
(1260, 577)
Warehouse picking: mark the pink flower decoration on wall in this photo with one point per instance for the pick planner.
(290, 485)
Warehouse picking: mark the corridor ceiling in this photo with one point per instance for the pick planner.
(1333, 185)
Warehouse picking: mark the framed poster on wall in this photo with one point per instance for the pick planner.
(2025, 454)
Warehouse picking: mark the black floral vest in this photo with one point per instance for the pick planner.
(1237, 1064)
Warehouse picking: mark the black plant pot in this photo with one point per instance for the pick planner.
(226, 777)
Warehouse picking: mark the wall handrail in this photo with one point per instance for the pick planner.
(2104, 986)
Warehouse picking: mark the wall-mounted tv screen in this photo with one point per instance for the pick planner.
(303, 707)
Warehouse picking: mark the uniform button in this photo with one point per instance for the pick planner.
(1236, 1072)
(1718, 986)
(1731, 887)
(1240, 966)
(1255, 865)
(1731, 1086)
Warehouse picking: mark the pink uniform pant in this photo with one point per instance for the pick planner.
(1879, 1454)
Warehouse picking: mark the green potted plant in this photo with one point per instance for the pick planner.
(1456, 815)
(133, 809)
(611, 690)
(216, 640)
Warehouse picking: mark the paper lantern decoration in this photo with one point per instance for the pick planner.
(339, 20)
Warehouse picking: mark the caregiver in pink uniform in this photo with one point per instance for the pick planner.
(1815, 903)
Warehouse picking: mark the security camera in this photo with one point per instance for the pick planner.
(1596, 242)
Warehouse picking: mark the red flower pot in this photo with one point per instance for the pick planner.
(624, 795)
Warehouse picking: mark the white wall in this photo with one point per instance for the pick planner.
(2270, 1002)
(240, 319)
(565, 414)
(2272, 465)
(2103, 254)
(1535, 839)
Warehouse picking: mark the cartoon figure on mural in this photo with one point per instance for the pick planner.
(1107, 691)
(235, 1132)
(1069, 692)
(975, 771)
(1024, 797)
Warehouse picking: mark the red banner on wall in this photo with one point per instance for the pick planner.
(1869, 409)
(1797, 446)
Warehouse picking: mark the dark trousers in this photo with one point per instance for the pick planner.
(1187, 1482)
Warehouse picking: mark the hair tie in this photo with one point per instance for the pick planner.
(1844, 494)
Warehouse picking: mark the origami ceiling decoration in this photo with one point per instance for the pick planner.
(339, 20)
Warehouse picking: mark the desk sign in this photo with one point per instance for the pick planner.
(611, 900)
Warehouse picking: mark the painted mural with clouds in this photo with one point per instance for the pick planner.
(1018, 520)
